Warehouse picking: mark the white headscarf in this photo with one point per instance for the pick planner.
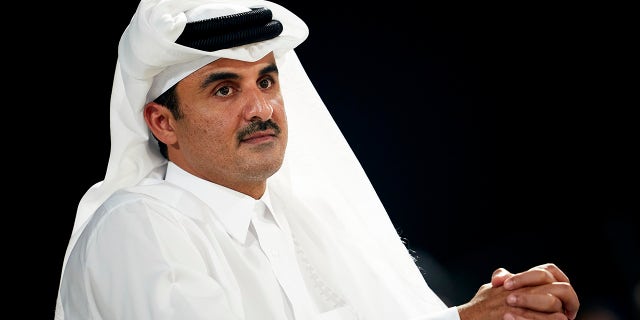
(333, 210)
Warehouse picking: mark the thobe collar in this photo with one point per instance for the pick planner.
(231, 208)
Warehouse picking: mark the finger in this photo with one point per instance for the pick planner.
(499, 276)
(570, 302)
(556, 297)
(532, 277)
(542, 302)
(530, 315)
(519, 313)
(554, 270)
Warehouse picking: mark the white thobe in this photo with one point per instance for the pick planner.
(224, 256)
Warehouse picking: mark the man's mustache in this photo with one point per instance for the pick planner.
(257, 126)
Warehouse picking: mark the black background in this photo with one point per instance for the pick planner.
(496, 136)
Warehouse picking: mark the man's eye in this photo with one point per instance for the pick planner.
(224, 91)
(265, 83)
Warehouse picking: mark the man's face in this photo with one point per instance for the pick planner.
(234, 128)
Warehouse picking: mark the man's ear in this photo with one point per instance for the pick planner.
(160, 121)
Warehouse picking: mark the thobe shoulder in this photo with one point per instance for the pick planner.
(159, 218)
(139, 247)
(138, 230)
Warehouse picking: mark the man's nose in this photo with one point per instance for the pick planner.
(258, 106)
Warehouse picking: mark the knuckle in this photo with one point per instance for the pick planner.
(555, 304)
(485, 286)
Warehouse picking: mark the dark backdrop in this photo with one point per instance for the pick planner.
(496, 136)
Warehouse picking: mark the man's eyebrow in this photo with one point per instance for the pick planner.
(270, 68)
(216, 76)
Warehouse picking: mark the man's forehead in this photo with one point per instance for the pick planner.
(237, 66)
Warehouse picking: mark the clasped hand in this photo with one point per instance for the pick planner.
(542, 292)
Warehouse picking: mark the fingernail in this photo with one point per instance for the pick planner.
(511, 299)
(508, 316)
(508, 284)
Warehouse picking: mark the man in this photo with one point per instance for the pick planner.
(217, 204)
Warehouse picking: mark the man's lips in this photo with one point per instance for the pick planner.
(258, 137)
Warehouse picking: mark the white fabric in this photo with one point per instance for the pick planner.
(280, 251)
(174, 73)
(331, 207)
(199, 237)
